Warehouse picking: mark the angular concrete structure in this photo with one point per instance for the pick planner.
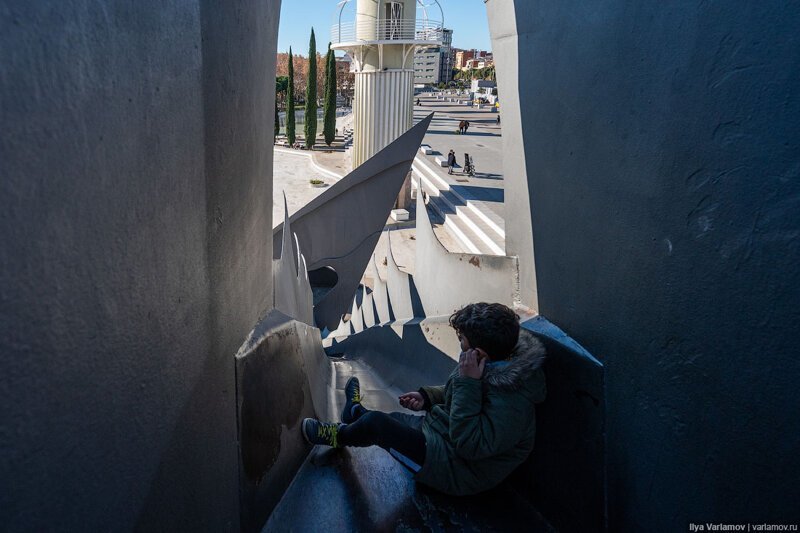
(660, 145)
(291, 287)
(340, 228)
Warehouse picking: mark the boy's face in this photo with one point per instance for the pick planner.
(464, 342)
(466, 346)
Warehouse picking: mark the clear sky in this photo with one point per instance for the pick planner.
(467, 19)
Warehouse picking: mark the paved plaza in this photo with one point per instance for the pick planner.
(483, 141)
(292, 172)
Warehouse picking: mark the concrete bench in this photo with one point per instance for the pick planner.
(425, 149)
(399, 215)
(441, 161)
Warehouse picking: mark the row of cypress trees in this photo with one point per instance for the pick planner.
(329, 106)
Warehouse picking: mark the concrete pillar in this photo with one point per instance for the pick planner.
(383, 51)
(382, 110)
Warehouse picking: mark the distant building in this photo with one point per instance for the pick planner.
(481, 62)
(471, 59)
(462, 56)
(434, 64)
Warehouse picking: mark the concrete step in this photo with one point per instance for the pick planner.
(477, 206)
(441, 203)
(476, 227)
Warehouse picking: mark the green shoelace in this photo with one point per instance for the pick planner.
(329, 432)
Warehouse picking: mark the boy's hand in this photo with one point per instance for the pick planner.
(468, 365)
(412, 400)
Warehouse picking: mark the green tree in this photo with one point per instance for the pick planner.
(311, 93)
(281, 83)
(290, 133)
(329, 126)
(281, 86)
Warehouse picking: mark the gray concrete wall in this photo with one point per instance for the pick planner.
(136, 251)
(661, 142)
(505, 46)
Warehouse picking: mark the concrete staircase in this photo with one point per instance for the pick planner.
(477, 228)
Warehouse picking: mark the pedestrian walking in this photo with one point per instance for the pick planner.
(418, 102)
(466, 126)
(451, 161)
(498, 120)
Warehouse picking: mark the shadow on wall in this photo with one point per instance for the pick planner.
(282, 376)
(564, 477)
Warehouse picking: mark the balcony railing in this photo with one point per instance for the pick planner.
(426, 31)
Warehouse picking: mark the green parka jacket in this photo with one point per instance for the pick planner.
(478, 431)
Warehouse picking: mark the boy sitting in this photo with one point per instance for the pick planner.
(479, 426)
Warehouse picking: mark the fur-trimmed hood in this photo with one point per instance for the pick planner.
(511, 374)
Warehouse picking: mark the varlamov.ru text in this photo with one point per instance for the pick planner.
(742, 527)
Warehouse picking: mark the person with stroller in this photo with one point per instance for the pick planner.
(451, 161)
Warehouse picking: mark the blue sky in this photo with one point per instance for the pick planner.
(467, 19)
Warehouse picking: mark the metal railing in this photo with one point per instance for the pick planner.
(387, 30)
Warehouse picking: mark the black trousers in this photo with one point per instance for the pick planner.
(400, 434)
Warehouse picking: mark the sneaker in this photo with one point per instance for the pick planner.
(352, 393)
(316, 432)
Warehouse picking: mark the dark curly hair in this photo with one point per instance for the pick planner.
(494, 328)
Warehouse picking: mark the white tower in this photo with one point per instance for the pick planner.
(381, 41)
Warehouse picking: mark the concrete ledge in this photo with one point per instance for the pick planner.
(425, 149)
(441, 161)
(269, 410)
(565, 475)
(399, 215)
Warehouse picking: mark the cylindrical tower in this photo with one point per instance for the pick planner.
(381, 41)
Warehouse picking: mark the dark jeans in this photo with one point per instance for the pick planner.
(400, 434)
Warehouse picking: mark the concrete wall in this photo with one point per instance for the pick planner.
(661, 144)
(505, 46)
(136, 251)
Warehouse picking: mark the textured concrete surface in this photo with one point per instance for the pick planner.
(661, 153)
(511, 58)
(135, 203)
(276, 384)
(366, 490)
(447, 282)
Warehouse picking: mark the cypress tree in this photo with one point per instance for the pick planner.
(311, 93)
(329, 128)
(290, 133)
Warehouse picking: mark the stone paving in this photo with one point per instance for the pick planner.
(292, 172)
(483, 141)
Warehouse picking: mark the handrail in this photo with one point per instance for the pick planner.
(387, 30)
